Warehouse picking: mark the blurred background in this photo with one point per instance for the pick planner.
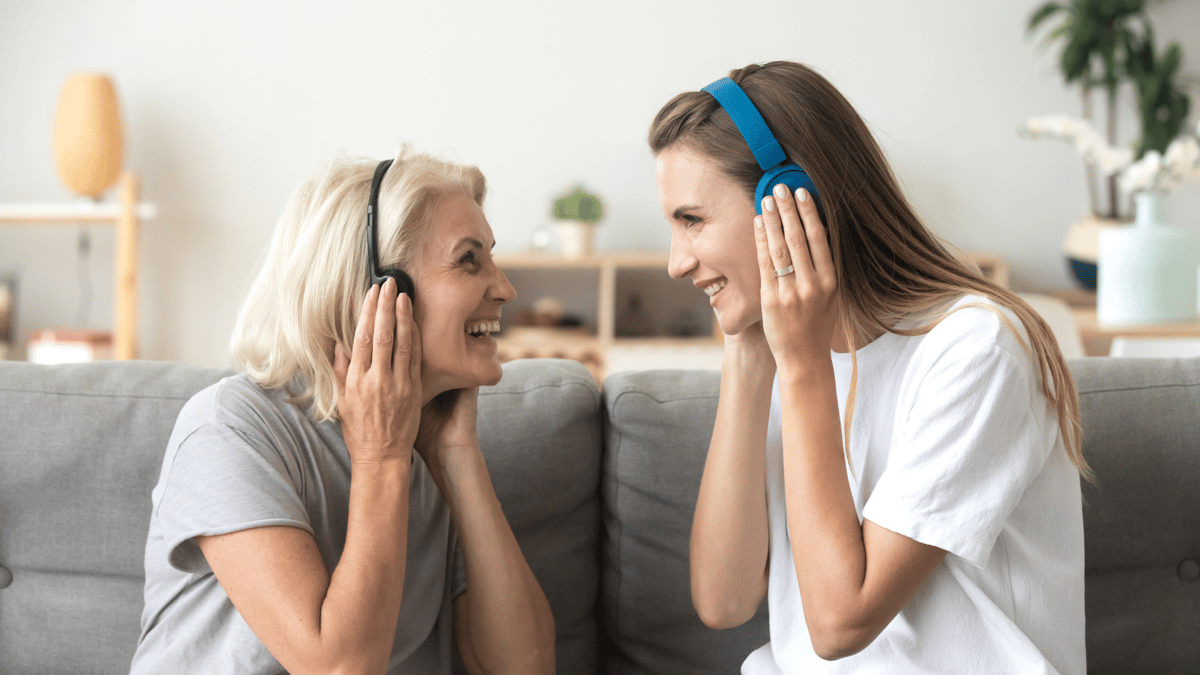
(227, 104)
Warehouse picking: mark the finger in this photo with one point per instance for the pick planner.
(341, 366)
(776, 246)
(406, 358)
(793, 231)
(766, 268)
(385, 326)
(360, 353)
(814, 230)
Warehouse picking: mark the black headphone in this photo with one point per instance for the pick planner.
(404, 283)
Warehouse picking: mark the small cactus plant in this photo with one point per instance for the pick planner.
(579, 206)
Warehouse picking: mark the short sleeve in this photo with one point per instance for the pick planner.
(221, 480)
(973, 431)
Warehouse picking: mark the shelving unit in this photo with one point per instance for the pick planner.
(125, 215)
(593, 288)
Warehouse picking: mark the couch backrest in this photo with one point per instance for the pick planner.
(657, 429)
(80, 449)
(1141, 421)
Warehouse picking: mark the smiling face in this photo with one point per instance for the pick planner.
(712, 235)
(459, 295)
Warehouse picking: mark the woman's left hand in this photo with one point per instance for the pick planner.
(448, 426)
(799, 306)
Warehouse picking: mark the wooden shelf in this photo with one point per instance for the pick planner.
(601, 270)
(1097, 337)
(125, 215)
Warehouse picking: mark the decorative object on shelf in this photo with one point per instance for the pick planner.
(1105, 45)
(577, 214)
(88, 143)
(69, 346)
(1148, 271)
(8, 314)
(632, 320)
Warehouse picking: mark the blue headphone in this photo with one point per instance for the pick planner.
(768, 152)
(404, 283)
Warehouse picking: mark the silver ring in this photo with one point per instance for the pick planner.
(784, 271)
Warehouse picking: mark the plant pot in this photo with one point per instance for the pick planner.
(576, 237)
(1082, 246)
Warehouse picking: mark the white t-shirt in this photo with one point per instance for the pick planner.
(953, 445)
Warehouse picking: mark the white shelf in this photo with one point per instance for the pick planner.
(125, 215)
(72, 212)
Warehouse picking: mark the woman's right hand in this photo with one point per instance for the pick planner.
(379, 384)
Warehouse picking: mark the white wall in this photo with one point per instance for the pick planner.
(227, 104)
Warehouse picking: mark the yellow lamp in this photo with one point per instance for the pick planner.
(88, 143)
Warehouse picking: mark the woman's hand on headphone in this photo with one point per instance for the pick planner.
(799, 307)
(379, 383)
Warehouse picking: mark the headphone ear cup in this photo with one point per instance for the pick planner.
(790, 175)
(404, 283)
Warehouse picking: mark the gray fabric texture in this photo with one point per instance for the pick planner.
(657, 428)
(539, 430)
(1141, 419)
(242, 457)
(80, 450)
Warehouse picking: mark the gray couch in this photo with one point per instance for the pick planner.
(599, 486)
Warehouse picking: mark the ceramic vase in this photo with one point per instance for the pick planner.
(1148, 270)
(88, 143)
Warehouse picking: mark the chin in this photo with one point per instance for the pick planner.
(732, 323)
(481, 375)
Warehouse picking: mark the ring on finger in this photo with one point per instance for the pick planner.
(784, 271)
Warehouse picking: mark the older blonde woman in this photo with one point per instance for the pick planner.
(294, 527)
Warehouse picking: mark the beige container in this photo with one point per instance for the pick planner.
(576, 238)
(88, 142)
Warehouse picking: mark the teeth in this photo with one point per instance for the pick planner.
(483, 328)
(711, 290)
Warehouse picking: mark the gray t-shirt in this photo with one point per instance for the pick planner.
(242, 457)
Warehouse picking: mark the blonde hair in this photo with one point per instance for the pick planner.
(888, 264)
(308, 291)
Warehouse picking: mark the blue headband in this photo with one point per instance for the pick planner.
(753, 127)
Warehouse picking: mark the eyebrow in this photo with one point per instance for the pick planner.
(473, 242)
(682, 211)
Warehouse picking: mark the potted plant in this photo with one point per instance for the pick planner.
(577, 214)
(1105, 45)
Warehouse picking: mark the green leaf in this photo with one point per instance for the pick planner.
(1042, 13)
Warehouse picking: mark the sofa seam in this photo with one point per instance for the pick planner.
(1113, 390)
(90, 573)
(621, 395)
(556, 385)
(95, 395)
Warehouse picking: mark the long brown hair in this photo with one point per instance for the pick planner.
(888, 264)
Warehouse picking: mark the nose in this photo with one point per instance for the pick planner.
(682, 261)
(502, 290)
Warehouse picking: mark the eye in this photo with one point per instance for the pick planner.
(689, 220)
(469, 261)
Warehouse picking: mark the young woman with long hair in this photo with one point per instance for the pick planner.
(896, 458)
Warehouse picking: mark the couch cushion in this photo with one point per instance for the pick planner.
(80, 450)
(658, 426)
(1141, 418)
(539, 430)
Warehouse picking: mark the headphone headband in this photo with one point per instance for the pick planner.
(377, 275)
(753, 127)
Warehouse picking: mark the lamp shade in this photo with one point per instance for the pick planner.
(88, 143)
